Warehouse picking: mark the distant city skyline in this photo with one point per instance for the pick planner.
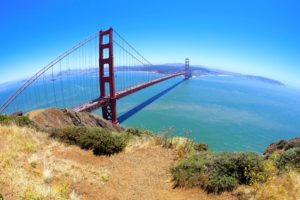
(251, 37)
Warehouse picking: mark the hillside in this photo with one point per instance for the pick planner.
(34, 166)
(89, 160)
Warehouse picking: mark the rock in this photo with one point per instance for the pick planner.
(58, 118)
(281, 146)
(17, 114)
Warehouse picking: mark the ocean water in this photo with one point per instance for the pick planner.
(226, 112)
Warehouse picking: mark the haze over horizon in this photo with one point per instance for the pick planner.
(249, 37)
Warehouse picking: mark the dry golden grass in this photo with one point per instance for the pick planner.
(279, 186)
(29, 170)
(141, 142)
(282, 187)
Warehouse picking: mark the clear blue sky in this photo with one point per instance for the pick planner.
(259, 37)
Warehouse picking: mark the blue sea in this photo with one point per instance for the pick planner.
(228, 113)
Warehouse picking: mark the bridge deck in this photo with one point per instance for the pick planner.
(98, 103)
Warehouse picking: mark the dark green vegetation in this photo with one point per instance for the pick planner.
(101, 141)
(18, 120)
(217, 172)
(285, 154)
(200, 147)
(288, 159)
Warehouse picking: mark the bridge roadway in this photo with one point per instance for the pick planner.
(100, 102)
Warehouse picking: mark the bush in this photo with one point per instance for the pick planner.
(292, 144)
(218, 172)
(200, 147)
(288, 159)
(108, 144)
(250, 168)
(70, 135)
(217, 184)
(4, 119)
(101, 141)
(18, 120)
(192, 171)
(22, 121)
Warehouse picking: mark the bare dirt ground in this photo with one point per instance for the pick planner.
(138, 175)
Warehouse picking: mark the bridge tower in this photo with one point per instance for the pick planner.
(188, 73)
(106, 75)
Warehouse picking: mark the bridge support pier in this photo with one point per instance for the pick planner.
(106, 75)
(187, 69)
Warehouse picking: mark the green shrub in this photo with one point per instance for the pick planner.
(218, 172)
(5, 119)
(288, 159)
(250, 168)
(18, 120)
(108, 144)
(101, 141)
(22, 121)
(219, 183)
(192, 171)
(70, 134)
(88, 139)
(292, 144)
(1, 197)
(200, 147)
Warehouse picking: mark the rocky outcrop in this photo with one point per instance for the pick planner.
(282, 145)
(58, 118)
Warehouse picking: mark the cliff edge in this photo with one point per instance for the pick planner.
(60, 118)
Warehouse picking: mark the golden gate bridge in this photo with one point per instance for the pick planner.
(109, 59)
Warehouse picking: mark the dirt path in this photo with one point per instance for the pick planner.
(139, 175)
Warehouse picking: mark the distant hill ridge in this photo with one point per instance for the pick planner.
(197, 70)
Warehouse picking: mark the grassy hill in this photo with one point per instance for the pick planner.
(80, 162)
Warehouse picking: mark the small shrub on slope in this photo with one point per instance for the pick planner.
(200, 147)
(192, 171)
(18, 120)
(108, 144)
(288, 159)
(219, 183)
(70, 135)
(101, 141)
(218, 172)
(4, 119)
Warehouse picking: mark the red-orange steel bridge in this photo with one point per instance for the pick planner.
(93, 74)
